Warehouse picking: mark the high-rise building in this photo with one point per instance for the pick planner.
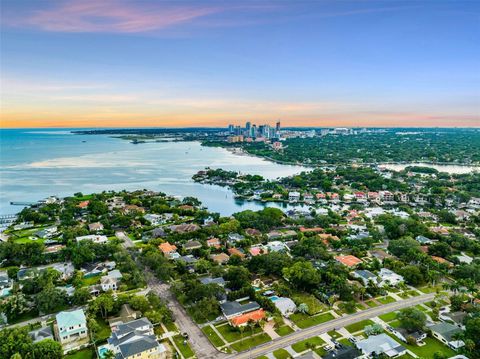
(231, 128)
(277, 126)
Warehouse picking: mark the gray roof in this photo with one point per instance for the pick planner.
(132, 326)
(139, 345)
(446, 330)
(365, 274)
(232, 308)
(41, 334)
(343, 353)
(381, 343)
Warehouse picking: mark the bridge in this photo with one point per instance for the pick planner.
(23, 203)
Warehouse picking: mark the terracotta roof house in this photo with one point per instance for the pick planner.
(257, 250)
(83, 204)
(167, 249)
(236, 252)
(348, 260)
(441, 260)
(311, 230)
(243, 319)
(131, 208)
(214, 242)
(220, 258)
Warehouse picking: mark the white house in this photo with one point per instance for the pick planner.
(388, 277)
(294, 196)
(95, 238)
(286, 306)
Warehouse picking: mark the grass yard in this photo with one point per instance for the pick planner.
(183, 346)
(430, 289)
(428, 350)
(212, 336)
(171, 327)
(284, 330)
(345, 342)
(388, 317)
(304, 321)
(250, 342)
(231, 334)
(371, 303)
(86, 282)
(314, 305)
(394, 323)
(104, 330)
(87, 353)
(334, 334)
(386, 300)
(281, 354)
(307, 343)
(356, 327)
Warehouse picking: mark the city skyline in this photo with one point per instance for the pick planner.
(208, 64)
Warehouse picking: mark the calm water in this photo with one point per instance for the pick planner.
(35, 164)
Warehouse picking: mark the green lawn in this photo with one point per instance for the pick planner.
(284, 330)
(103, 332)
(356, 327)
(345, 342)
(305, 321)
(183, 346)
(250, 342)
(305, 344)
(428, 350)
(388, 317)
(314, 305)
(212, 336)
(86, 282)
(281, 354)
(231, 334)
(394, 323)
(334, 334)
(171, 327)
(87, 353)
(371, 303)
(430, 289)
(386, 300)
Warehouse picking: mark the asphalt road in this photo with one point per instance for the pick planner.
(197, 340)
(328, 326)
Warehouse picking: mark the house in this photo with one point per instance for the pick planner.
(95, 238)
(6, 284)
(455, 318)
(365, 276)
(168, 250)
(294, 196)
(127, 314)
(234, 308)
(47, 233)
(41, 334)
(347, 352)
(132, 208)
(286, 306)
(92, 269)
(380, 344)
(184, 228)
(388, 277)
(404, 335)
(257, 250)
(191, 245)
(380, 254)
(360, 196)
(244, 319)
(277, 246)
(71, 329)
(423, 240)
(214, 243)
(209, 280)
(220, 258)
(83, 204)
(136, 339)
(252, 232)
(159, 233)
(95, 227)
(154, 219)
(386, 196)
(236, 252)
(234, 238)
(348, 260)
(111, 280)
(445, 332)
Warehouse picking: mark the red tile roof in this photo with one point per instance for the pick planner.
(255, 316)
(349, 261)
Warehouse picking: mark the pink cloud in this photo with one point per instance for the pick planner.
(113, 16)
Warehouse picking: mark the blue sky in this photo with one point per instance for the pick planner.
(141, 63)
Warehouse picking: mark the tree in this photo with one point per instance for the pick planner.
(412, 274)
(237, 277)
(50, 298)
(303, 308)
(302, 275)
(48, 348)
(15, 341)
(412, 319)
(104, 304)
(81, 296)
(373, 329)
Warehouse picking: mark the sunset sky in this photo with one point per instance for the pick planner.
(142, 63)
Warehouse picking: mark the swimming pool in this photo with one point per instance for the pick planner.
(273, 298)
